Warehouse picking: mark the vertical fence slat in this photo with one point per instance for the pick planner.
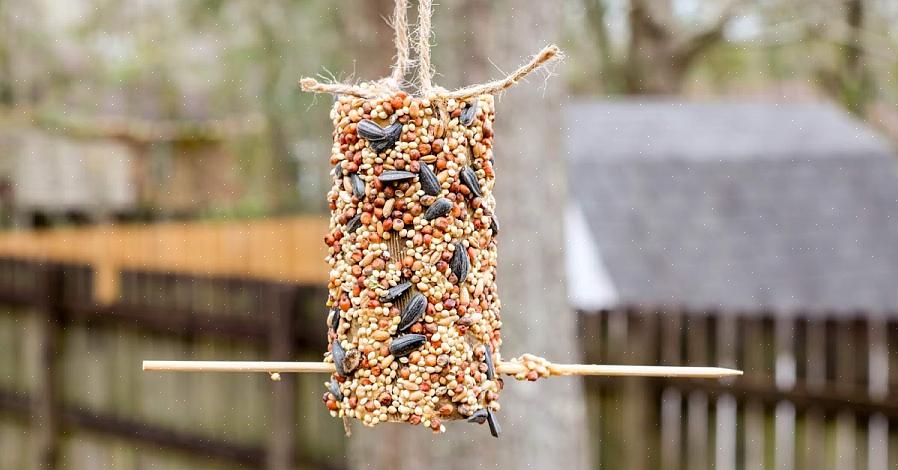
(892, 337)
(814, 448)
(755, 373)
(697, 437)
(45, 399)
(726, 408)
(846, 360)
(616, 352)
(878, 388)
(671, 397)
(592, 331)
(784, 378)
(280, 304)
(639, 418)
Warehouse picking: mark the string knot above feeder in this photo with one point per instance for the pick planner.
(396, 81)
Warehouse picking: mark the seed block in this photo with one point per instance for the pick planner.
(414, 310)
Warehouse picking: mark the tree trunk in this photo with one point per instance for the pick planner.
(856, 81)
(543, 422)
(651, 66)
(546, 424)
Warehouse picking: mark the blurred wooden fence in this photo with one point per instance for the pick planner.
(820, 391)
(82, 307)
(72, 395)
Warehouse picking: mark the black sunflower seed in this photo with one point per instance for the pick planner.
(413, 311)
(429, 183)
(439, 208)
(334, 388)
(393, 293)
(393, 131)
(358, 186)
(460, 264)
(488, 358)
(370, 131)
(404, 345)
(338, 171)
(339, 355)
(469, 179)
(395, 175)
(479, 416)
(380, 138)
(467, 116)
(495, 429)
(353, 224)
(335, 319)
(494, 224)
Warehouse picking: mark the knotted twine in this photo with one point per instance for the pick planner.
(394, 82)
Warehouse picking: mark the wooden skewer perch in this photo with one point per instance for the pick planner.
(505, 368)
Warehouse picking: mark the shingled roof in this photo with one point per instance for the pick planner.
(733, 206)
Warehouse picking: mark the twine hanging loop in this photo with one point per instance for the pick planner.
(395, 81)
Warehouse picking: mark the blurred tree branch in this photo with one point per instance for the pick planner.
(850, 81)
(698, 43)
(658, 53)
(845, 46)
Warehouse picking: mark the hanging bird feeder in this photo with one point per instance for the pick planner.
(414, 324)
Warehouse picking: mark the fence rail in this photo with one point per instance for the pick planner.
(287, 250)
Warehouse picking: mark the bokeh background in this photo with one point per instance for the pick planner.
(697, 183)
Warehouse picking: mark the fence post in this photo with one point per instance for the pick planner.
(45, 405)
(279, 301)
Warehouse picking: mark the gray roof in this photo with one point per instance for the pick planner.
(738, 206)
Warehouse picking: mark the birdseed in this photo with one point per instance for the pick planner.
(412, 256)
